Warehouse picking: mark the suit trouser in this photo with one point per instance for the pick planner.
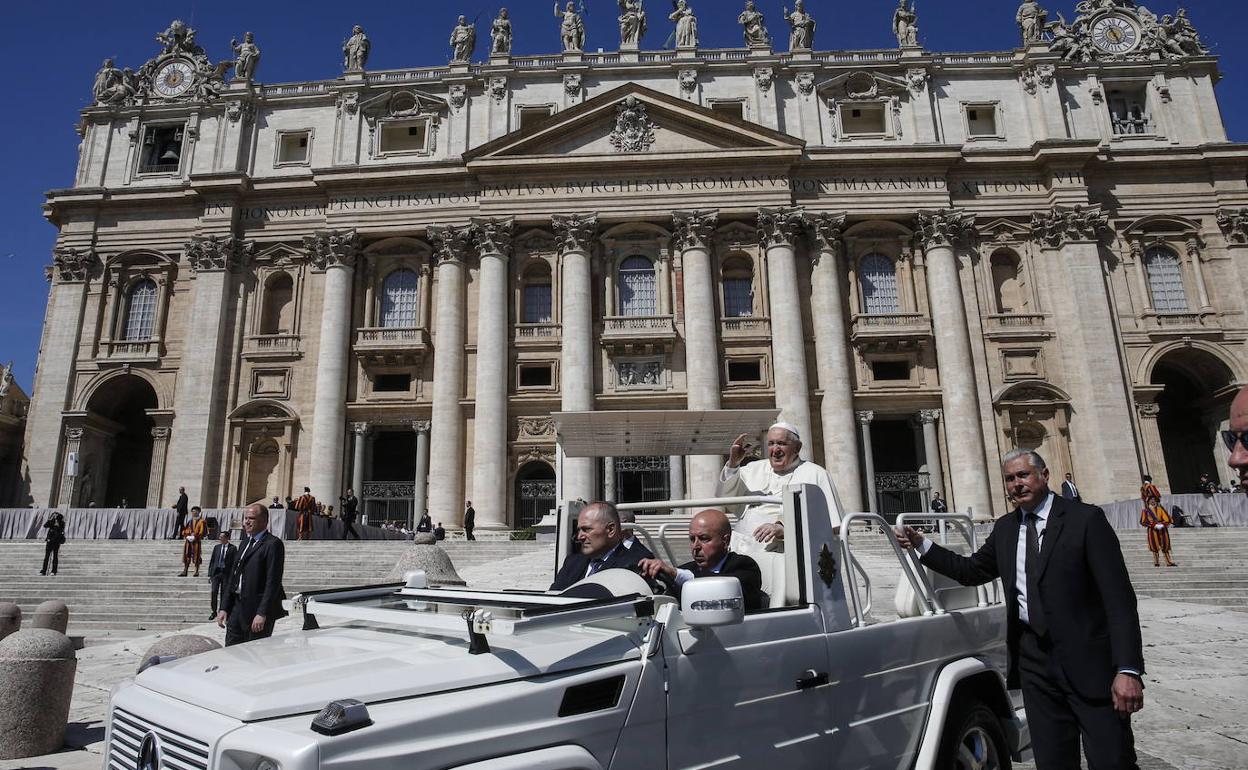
(238, 628)
(348, 528)
(1057, 716)
(177, 527)
(218, 591)
(51, 550)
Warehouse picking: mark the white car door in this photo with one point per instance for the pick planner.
(753, 695)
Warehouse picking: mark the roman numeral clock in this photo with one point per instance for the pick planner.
(1115, 34)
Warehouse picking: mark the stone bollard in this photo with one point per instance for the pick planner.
(10, 618)
(178, 646)
(36, 684)
(429, 557)
(53, 614)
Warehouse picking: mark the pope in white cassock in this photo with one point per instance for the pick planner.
(781, 467)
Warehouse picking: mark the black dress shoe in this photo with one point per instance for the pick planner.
(43, 572)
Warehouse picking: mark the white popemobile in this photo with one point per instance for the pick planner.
(408, 676)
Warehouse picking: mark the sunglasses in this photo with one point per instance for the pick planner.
(1233, 437)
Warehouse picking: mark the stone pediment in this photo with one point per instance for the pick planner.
(862, 85)
(633, 122)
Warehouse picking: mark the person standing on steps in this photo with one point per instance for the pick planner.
(181, 507)
(220, 566)
(1157, 521)
(470, 520)
(1069, 490)
(52, 546)
(350, 504)
(253, 602)
(193, 547)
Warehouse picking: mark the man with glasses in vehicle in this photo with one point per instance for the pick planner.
(1237, 438)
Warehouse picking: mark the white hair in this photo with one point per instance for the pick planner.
(1032, 456)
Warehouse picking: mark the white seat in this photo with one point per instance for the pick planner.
(770, 564)
(952, 595)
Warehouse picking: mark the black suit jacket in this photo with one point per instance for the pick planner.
(222, 560)
(1086, 593)
(260, 568)
(577, 564)
(181, 505)
(741, 567)
(1070, 492)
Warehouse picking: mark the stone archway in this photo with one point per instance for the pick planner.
(1192, 390)
(114, 445)
(535, 493)
(262, 466)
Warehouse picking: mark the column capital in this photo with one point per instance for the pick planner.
(421, 426)
(333, 248)
(492, 236)
(73, 433)
(451, 243)
(360, 428)
(74, 265)
(215, 253)
(1069, 224)
(693, 229)
(1148, 409)
(929, 416)
(826, 231)
(943, 228)
(865, 417)
(781, 226)
(575, 232)
(1193, 247)
(160, 433)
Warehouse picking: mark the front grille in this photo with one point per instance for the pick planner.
(177, 751)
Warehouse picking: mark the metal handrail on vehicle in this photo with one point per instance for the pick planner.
(966, 527)
(645, 535)
(918, 580)
(862, 571)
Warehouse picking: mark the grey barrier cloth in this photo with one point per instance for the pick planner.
(157, 524)
(1224, 510)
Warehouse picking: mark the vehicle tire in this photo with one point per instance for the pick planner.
(973, 739)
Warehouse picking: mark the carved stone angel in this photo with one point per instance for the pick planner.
(801, 27)
(632, 22)
(463, 40)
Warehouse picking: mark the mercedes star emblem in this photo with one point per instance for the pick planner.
(149, 752)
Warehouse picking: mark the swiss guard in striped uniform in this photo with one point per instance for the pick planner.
(1157, 520)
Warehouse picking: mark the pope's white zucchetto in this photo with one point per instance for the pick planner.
(790, 427)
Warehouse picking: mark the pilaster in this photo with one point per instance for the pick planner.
(575, 234)
(489, 474)
(779, 232)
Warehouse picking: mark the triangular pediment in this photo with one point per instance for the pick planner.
(633, 122)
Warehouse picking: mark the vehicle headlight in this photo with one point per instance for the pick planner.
(265, 763)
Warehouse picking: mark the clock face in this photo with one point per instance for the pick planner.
(1115, 34)
(173, 79)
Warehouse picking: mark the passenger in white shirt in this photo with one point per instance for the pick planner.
(780, 468)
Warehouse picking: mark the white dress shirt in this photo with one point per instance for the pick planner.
(684, 576)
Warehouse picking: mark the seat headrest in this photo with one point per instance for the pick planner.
(608, 584)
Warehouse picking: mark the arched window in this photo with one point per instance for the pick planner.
(879, 284)
(279, 305)
(141, 310)
(1165, 280)
(535, 300)
(738, 288)
(1005, 282)
(638, 295)
(398, 300)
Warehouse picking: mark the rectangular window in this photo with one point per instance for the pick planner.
(747, 371)
(537, 376)
(292, 147)
(392, 383)
(404, 136)
(735, 109)
(1128, 109)
(890, 371)
(981, 120)
(537, 301)
(531, 116)
(162, 149)
(863, 119)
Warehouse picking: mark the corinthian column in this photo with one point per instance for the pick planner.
(446, 465)
(197, 403)
(693, 234)
(576, 233)
(334, 252)
(779, 231)
(939, 230)
(1101, 423)
(832, 360)
(489, 453)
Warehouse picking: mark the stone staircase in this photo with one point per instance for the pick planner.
(133, 584)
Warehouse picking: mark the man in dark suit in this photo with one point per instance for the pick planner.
(600, 542)
(1069, 490)
(220, 567)
(350, 504)
(710, 534)
(182, 507)
(253, 600)
(1073, 632)
(470, 519)
(1237, 438)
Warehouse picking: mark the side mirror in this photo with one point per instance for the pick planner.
(712, 601)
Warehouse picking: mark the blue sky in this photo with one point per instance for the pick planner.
(53, 49)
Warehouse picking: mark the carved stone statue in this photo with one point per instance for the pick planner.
(906, 25)
(463, 40)
(571, 27)
(246, 57)
(634, 130)
(500, 34)
(355, 50)
(801, 27)
(1187, 36)
(686, 25)
(105, 80)
(632, 23)
(6, 379)
(178, 38)
(751, 21)
(1031, 20)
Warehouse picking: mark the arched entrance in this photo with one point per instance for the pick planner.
(535, 493)
(1194, 391)
(115, 453)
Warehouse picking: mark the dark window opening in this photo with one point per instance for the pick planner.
(536, 376)
(392, 383)
(162, 149)
(531, 116)
(735, 109)
(745, 371)
(890, 370)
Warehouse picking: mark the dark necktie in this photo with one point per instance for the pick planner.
(238, 567)
(595, 565)
(1035, 606)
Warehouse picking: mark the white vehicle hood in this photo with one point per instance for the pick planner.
(301, 672)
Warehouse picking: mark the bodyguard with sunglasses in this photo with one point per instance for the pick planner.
(1237, 437)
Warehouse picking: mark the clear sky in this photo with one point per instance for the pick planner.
(54, 47)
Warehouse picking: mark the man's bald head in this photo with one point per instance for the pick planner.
(255, 519)
(1239, 424)
(715, 519)
(710, 535)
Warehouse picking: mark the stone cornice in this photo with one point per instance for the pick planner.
(74, 265)
(1234, 225)
(781, 226)
(826, 231)
(493, 236)
(1062, 225)
(575, 231)
(451, 243)
(693, 229)
(332, 248)
(209, 253)
(943, 228)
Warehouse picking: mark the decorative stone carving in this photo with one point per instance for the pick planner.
(493, 236)
(422, 426)
(246, 57)
(1032, 20)
(780, 226)
(348, 102)
(240, 109)
(1064, 225)
(113, 87)
(572, 85)
(160, 433)
(944, 228)
(826, 231)
(805, 82)
(535, 427)
(916, 80)
(463, 41)
(181, 70)
(74, 434)
(451, 244)
(332, 248)
(686, 25)
(500, 34)
(457, 95)
(639, 374)
(571, 27)
(6, 379)
(929, 416)
(1234, 225)
(751, 21)
(906, 25)
(801, 27)
(497, 88)
(575, 232)
(218, 252)
(634, 131)
(763, 77)
(74, 265)
(1148, 410)
(1100, 31)
(693, 229)
(355, 50)
(688, 81)
(865, 417)
(632, 23)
